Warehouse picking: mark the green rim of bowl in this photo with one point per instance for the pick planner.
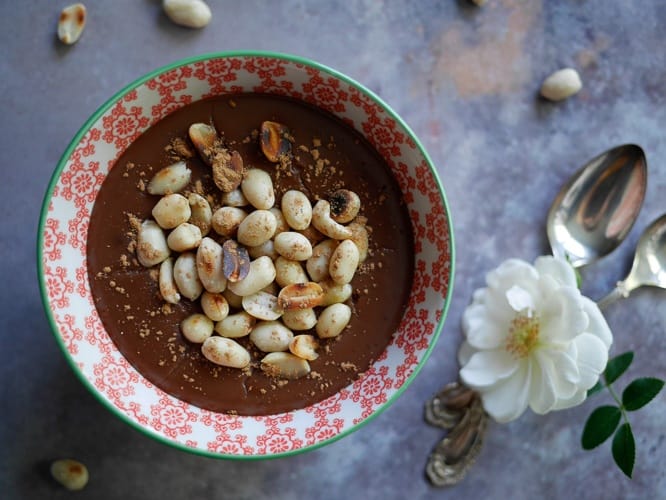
(108, 104)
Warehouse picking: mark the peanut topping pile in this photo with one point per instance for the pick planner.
(256, 268)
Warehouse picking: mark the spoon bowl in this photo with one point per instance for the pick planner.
(595, 210)
(649, 266)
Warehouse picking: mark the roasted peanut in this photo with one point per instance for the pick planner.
(267, 249)
(202, 215)
(235, 261)
(204, 137)
(288, 272)
(227, 219)
(293, 246)
(209, 265)
(299, 319)
(234, 198)
(296, 209)
(188, 13)
(235, 325)
(305, 347)
(71, 23)
(282, 225)
(261, 274)
(186, 276)
(184, 237)
(171, 179)
(332, 320)
(214, 305)
(344, 262)
(317, 264)
(345, 205)
(197, 328)
(235, 301)
(561, 84)
(284, 365)
(72, 474)
(171, 210)
(300, 296)
(257, 187)
(262, 305)
(273, 140)
(151, 244)
(255, 229)
(360, 238)
(322, 221)
(271, 336)
(225, 352)
(167, 284)
(334, 293)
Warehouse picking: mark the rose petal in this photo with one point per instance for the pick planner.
(486, 368)
(465, 352)
(519, 299)
(480, 331)
(592, 359)
(541, 396)
(559, 269)
(562, 316)
(598, 325)
(507, 400)
(574, 400)
(561, 370)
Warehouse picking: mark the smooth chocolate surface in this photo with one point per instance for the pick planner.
(127, 295)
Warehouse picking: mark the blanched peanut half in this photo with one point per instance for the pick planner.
(334, 293)
(272, 288)
(262, 305)
(202, 215)
(197, 328)
(151, 244)
(284, 365)
(186, 236)
(214, 305)
(265, 249)
(322, 221)
(172, 210)
(167, 284)
(234, 198)
(304, 346)
(210, 266)
(71, 22)
(289, 271)
(299, 319)
(360, 238)
(344, 262)
(345, 205)
(227, 219)
(186, 276)
(72, 474)
(257, 187)
(257, 228)
(296, 209)
(300, 296)
(271, 336)
(317, 265)
(262, 274)
(293, 246)
(225, 352)
(235, 325)
(333, 320)
(171, 179)
(282, 225)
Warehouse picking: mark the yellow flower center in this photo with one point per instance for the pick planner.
(523, 335)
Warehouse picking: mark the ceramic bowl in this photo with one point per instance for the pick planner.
(65, 284)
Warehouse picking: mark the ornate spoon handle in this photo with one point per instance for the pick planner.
(459, 409)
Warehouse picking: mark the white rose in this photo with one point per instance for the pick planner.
(532, 339)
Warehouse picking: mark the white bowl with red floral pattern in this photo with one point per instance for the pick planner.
(66, 291)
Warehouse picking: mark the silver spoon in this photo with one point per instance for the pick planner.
(592, 214)
(595, 210)
(649, 267)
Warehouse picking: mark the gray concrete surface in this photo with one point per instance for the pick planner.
(466, 80)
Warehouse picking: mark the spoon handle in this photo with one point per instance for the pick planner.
(619, 292)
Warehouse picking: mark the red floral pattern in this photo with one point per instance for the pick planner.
(64, 236)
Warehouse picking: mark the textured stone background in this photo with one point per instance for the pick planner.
(466, 80)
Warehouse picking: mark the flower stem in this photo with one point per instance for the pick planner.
(618, 401)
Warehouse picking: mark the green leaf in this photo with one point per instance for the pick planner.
(640, 392)
(624, 449)
(600, 425)
(617, 366)
(597, 387)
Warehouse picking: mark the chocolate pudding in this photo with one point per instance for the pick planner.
(326, 155)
